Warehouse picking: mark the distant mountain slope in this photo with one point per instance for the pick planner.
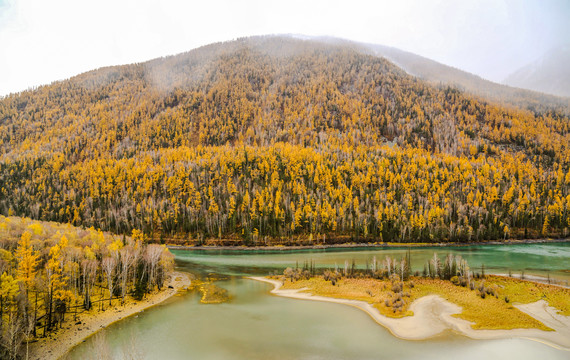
(278, 139)
(550, 74)
(438, 73)
(443, 75)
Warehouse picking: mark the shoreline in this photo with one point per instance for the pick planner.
(536, 279)
(56, 347)
(433, 315)
(363, 245)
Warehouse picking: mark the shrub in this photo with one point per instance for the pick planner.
(492, 290)
(289, 273)
(394, 278)
(397, 287)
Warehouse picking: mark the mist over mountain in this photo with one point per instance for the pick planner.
(511, 94)
(440, 74)
(550, 74)
(279, 139)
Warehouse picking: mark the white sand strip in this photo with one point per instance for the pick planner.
(433, 315)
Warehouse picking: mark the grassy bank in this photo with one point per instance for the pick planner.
(492, 310)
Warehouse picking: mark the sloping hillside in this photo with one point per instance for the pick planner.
(513, 93)
(281, 140)
(441, 75)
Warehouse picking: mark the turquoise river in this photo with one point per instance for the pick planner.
(258, 325)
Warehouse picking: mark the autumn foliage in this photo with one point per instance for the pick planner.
(49, 270)
(274, 140)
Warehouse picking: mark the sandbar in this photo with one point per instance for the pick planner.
(433, 315)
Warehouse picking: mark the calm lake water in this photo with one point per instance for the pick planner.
(257, 325)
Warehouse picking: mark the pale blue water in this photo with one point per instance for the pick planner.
(257, 325)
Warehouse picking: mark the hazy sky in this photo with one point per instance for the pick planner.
(46, 40)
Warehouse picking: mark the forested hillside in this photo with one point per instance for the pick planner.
(277, 140)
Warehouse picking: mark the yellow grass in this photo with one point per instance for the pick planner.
(525, 292)
(211, 293)
(355, 289)
(489, 313)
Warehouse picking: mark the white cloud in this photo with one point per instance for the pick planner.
(42, 41)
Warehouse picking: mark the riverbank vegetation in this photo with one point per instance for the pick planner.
(213, 294)
(282, 141)
(390, 286)
(210, 292)
(52, 272)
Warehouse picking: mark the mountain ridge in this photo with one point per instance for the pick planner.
(438, 74)
(280, 140)
(441, 74)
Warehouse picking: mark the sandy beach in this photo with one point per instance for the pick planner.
(433, 315)
(56, 346)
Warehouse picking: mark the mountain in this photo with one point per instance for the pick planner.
(443, 75)
(281, 140)
(550, 74)
(438, 73)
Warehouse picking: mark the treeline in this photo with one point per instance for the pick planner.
(289, 192)
(49, 270)
(272, 140)
(397, 271)
(453, 268)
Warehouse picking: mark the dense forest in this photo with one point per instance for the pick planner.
(49, 269)
(274, 140)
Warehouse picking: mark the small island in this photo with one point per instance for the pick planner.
(446, 295)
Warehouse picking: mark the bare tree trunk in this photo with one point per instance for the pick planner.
(35, 313)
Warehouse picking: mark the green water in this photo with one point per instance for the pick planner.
(534, 259)
(257, 325)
